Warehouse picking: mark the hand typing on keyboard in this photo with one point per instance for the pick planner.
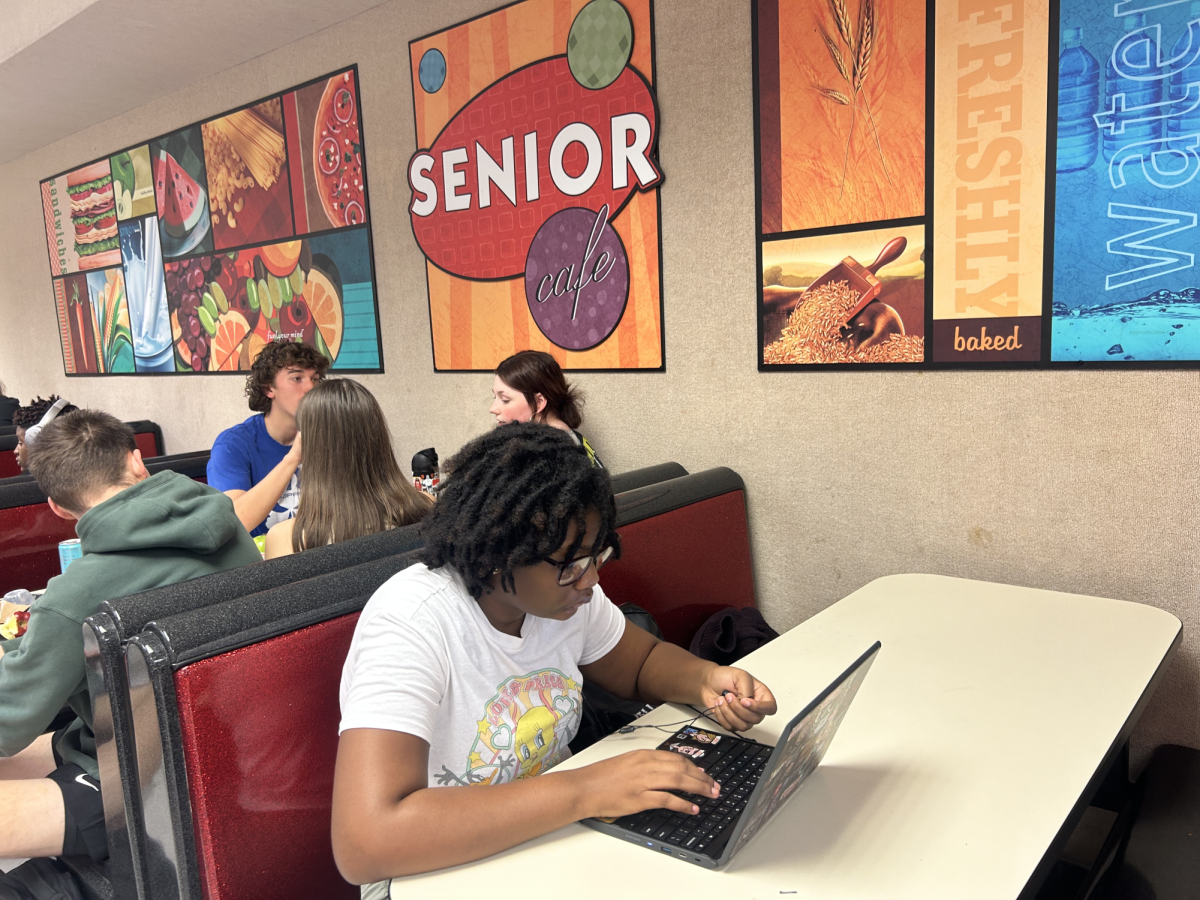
(643, 779)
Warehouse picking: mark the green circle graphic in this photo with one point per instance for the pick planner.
(599, 44)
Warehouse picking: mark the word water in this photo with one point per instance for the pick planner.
(577, 278)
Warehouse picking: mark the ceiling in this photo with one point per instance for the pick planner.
(67, 64)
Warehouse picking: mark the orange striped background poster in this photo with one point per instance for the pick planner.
(469, 83)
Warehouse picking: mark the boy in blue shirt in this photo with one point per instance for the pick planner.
(257, 462)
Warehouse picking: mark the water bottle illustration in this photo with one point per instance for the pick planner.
(1142, 55)
(1189, 122)
(1078, 100)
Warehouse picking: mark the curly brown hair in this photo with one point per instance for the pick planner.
(274, 358)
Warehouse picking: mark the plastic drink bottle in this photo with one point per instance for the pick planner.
(1188, 123)
(425, 471)
(1137, 93)
(1078, 100)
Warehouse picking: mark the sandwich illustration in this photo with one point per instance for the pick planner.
(94, 216)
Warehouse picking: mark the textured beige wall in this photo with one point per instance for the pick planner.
(1075, 481)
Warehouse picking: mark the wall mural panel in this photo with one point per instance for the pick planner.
(535, 185)
(1048, 217)
(187, 253)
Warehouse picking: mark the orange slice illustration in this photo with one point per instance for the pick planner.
(232, 329)
(326, 307)
(280, 258)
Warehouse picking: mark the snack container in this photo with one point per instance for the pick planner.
(68, 552)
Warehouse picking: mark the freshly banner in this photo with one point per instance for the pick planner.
(989, 141)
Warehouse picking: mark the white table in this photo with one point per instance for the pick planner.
(974, 741)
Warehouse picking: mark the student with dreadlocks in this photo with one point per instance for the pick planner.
(463, 678)
(25, 418)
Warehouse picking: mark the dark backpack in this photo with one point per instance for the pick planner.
(730, 634)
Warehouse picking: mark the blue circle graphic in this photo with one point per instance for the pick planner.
(432, 71)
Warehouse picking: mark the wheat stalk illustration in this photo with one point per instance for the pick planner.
(861, 50)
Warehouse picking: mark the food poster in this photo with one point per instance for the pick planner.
(823, 305)
(180, 192)
(133, 183)
(328, 182)
(1126, 195)
(197, 263)
(1051, 242)
(989, 162)
(841, 116)
(534, 186)
(245, 157)
(843, 112)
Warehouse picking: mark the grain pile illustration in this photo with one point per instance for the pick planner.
(812, 334)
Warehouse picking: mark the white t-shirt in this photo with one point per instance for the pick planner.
(492, 707)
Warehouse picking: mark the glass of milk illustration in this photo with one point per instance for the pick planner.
(147, 296)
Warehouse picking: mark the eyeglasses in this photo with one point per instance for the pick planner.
(572, 570)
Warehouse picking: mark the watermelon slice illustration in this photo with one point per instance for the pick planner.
(182, 203)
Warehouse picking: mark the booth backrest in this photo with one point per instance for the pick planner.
(685, 551)
(238, 780)
(31, 532)
(29, 535)
(149, 438)
(105, 636)
(636, 478)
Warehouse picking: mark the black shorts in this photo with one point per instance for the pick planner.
(84, 807)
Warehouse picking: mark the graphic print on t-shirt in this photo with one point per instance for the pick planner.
(525, 729)
(285, 507)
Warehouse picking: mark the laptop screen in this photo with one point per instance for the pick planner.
(801, 748)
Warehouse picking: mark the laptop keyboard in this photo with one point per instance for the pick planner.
(736, 764)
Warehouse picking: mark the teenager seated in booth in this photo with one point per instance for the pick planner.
(352, 483)
(464, 675)
(137, 532)
(257, 462)
(27, 420)
(530, 387)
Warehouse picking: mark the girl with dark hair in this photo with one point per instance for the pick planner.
(352, 483)
(530, 387)
(464, 675)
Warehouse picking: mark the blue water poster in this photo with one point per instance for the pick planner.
(1127, 195)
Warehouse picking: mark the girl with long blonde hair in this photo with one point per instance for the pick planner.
(351, 484)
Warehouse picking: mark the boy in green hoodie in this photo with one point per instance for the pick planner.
(138, 532)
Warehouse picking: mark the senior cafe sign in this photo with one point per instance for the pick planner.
(534, 191)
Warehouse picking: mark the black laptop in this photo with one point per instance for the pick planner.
(756, 779)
